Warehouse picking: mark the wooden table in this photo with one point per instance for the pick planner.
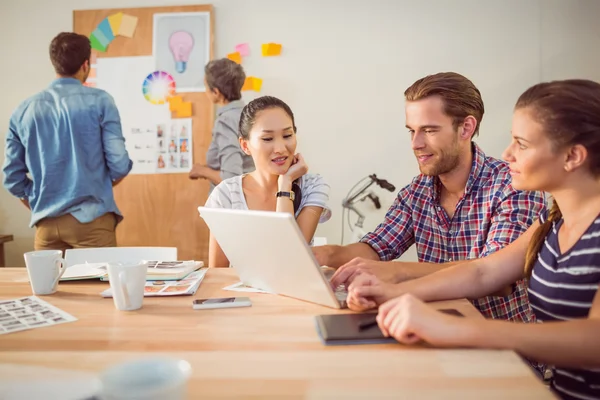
(3, 239)
(269, 349)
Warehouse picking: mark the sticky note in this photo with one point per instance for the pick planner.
(252, 83)
(115, 22)
(96, 44)
(106, 30)
(175, 102)
(243, 49)
(256, 84)
(271, 49)
(101, 38)
(184, 110)
(236, 57)
(93, 58)
(128, 25)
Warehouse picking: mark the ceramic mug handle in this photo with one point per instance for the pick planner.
(60, 263)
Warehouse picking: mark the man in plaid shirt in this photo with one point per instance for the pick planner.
(462, 206)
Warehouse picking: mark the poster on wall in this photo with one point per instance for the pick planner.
(160, 148)
(155, 142)
(181, 47)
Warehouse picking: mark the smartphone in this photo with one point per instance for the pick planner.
(221, 302)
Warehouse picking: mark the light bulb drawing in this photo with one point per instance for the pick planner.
(181, 44)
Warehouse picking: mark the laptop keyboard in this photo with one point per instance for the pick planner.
(328, 272)
(340, 292)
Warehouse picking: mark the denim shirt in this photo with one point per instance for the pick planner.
(68, 140)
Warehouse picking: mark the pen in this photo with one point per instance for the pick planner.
(366, 324)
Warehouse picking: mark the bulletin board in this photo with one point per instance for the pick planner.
(159, 204)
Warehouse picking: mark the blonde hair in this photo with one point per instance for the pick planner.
(460, 96)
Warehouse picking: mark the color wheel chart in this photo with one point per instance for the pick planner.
(158, 87)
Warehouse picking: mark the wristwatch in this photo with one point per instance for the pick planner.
(291, 195)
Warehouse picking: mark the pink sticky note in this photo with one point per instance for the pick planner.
(243, 49)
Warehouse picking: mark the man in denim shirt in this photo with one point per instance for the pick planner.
(68, 139)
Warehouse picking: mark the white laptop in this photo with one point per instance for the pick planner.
(268, 252)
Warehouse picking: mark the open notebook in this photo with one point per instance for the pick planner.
(157, 270)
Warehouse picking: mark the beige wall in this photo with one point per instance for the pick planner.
(345, 66)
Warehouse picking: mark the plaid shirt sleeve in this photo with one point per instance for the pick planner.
(395, 234)
(516, 212)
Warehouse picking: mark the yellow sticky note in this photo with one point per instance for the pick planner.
(247, 84)
(271, 49)
(175, 102)
(184, 110)
(115, 22)
(252, 83)
(128, 25)
(256, 84)
(236, 57)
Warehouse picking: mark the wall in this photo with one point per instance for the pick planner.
(345, 66)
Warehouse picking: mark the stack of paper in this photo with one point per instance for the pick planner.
(157, 270)
(184, 287)
(84, 271)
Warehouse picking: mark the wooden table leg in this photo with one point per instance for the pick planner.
(1, 255)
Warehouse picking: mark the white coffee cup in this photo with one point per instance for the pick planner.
(127, 282)
(146, 379)
(44, 267)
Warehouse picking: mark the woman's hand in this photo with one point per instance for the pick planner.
(198, 171)
(409, 320)
(297, 169)
(367, 291)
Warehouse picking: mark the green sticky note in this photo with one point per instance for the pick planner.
(96, 44)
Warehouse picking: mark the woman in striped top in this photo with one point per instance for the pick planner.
(280, 182)
(555, 148)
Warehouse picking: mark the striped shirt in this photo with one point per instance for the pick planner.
(562, 288)
(489, 216)
(315, 192)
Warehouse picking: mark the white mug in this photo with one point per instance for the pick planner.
(44, 267)
(127, 282)
(146, 379)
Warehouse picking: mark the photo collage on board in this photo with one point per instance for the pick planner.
(174, 146)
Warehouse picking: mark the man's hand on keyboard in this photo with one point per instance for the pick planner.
(386, 271)
(367, 292)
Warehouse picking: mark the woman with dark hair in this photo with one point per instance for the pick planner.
(224, 79)
(555, 148)
(280, 182)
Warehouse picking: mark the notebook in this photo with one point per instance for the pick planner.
(157, 270)
(84, 271)
(170, 270)
(183, 287)
(343, 329)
